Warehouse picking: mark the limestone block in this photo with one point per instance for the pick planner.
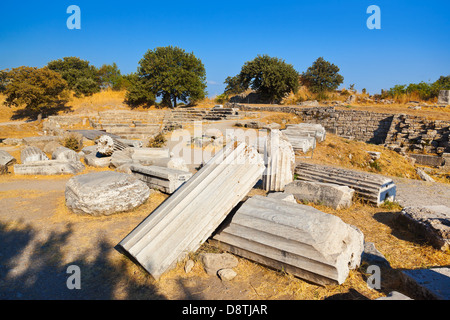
(430, 222)
(328, 194)
(93, 160)
(31, 154)
(65, 154)
(213, 262)
(6, 160)
(49, 167)
(296, 238)
(105, 193)
(161, 178)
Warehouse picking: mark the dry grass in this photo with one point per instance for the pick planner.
(352, 154)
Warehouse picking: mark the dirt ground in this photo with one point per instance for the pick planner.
(41, 238)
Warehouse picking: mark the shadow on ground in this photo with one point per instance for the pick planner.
(31, 268)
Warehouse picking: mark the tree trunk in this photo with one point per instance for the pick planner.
(174, 101)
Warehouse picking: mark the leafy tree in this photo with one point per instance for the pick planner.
(38, 90)
(110, 77)
(137, 93)
(322, 76)
(3, 80)
(169, 73)
(270, 77)
(81, 77)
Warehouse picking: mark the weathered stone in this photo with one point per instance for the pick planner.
(226, 274)
(328, 194)
(6, 159)
(423, 175)
(372, 256)
(105, 193)
(394, 295)
(272, 126)
(213, 262)
(39, 142)
(433, 283)
(89, 149)
(444, 97)
(119, 158)
(296, 238)
(188, 266)
(194, 211)
(93, 160)
(284, 196)
(107, 145)
(125, 168)
(49, 167)
(374, 188)
(161, 178)
(31, 154)
(147, 156)
(65, 154)
(51, 147)
(429, 222)
(279, 157)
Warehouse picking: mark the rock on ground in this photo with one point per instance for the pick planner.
(213, 262)
(430, 222)
(105, 193)
(332, 195)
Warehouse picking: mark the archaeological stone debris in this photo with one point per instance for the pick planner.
(164, 179)
(279, 157)
(430, 222)
(105, 193)
(296, 238)
(49, 167)
(329, 194)
(374, 188)
(6, 160)
(194, 211)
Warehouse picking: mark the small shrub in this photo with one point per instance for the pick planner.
(391, 205)
(157, 141)
(71, 142)
(375, 165)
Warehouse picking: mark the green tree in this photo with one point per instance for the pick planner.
(38, 90)
(81, 77)
(169, 73)
(270, 77)
(322, 76)
(110, 77)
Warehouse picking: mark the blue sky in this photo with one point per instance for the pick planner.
(412, 45)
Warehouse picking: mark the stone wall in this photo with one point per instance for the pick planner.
(410, 133)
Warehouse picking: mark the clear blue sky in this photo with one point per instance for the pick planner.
(413, 44)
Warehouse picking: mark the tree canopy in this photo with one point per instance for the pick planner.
(168, 73)
(81, 77)
(270, 77)
(36, 89)
(322, 76)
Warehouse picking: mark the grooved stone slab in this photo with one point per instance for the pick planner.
(49, 167)
(31, 154)
(105, 193)
(192, 213)
(299, 239)
(6, 160)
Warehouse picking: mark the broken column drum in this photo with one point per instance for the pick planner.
(296, 238)
(371, 187)
(279, 157)
(106, 145)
